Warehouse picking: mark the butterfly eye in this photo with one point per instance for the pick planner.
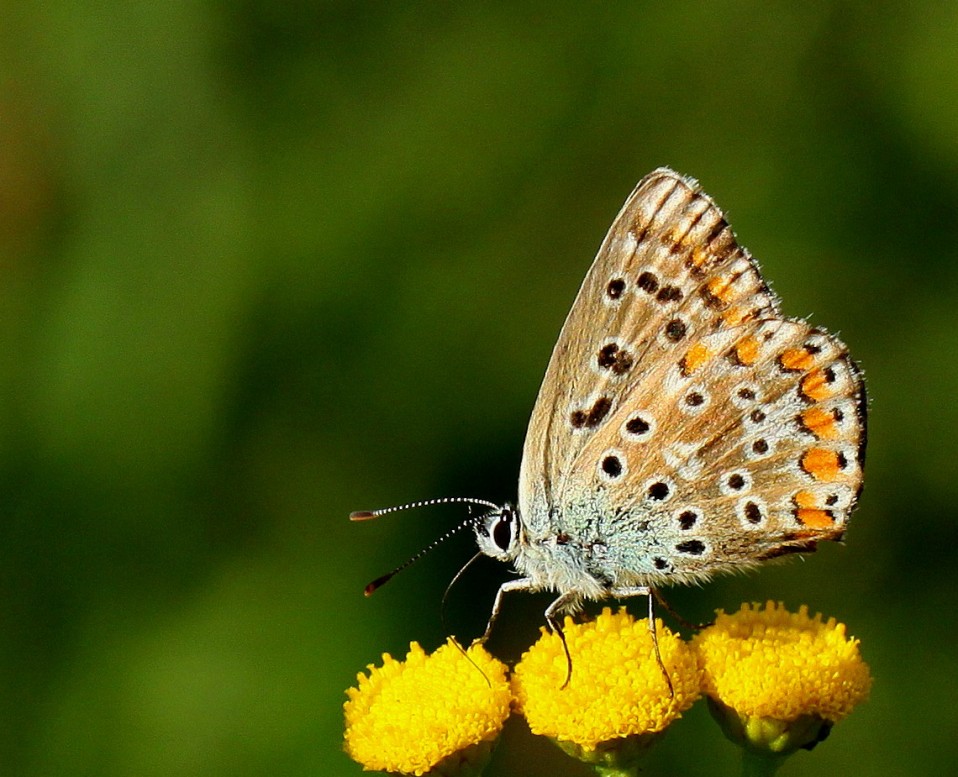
(497, 533)
(502, 531)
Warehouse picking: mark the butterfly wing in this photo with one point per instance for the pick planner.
(683, 426)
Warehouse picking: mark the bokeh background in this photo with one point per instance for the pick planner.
(265, 263)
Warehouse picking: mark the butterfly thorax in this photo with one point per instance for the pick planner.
(579, 547)
(573, 550)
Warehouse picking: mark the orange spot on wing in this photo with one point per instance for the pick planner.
(677, 237)
(720, 289)
(821, 423)
(815, 519)
(735, 316)
(797, 359)
(698, 257)
(805, 499)
(697, 356)
(814, 386)
(821, 464)
(747, 351)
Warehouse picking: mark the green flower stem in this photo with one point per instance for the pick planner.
(612, 771)
(760, 765)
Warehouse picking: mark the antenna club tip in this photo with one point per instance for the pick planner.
(361, 515)
(378, 583)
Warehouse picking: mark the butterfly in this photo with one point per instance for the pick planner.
(685, 427)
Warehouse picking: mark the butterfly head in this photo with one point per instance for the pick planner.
(499, 533)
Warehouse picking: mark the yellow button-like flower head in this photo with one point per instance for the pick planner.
(778, 680)
(617, 688)
(429, 714)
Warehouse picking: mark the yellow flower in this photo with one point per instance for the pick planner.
(617, 688)
(777, 664)
(778, 680)
(435, 714)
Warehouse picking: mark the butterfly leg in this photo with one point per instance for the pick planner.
(565, 602)
(626, 592)
(675, 616)
(522, 584)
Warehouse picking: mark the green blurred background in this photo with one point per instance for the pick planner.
(264, 264)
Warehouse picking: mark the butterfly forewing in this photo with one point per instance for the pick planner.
(630, 313)
(682, 424)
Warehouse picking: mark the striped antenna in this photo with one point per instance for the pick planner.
(366, 515)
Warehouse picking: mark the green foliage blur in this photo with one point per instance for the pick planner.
(263, 264)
